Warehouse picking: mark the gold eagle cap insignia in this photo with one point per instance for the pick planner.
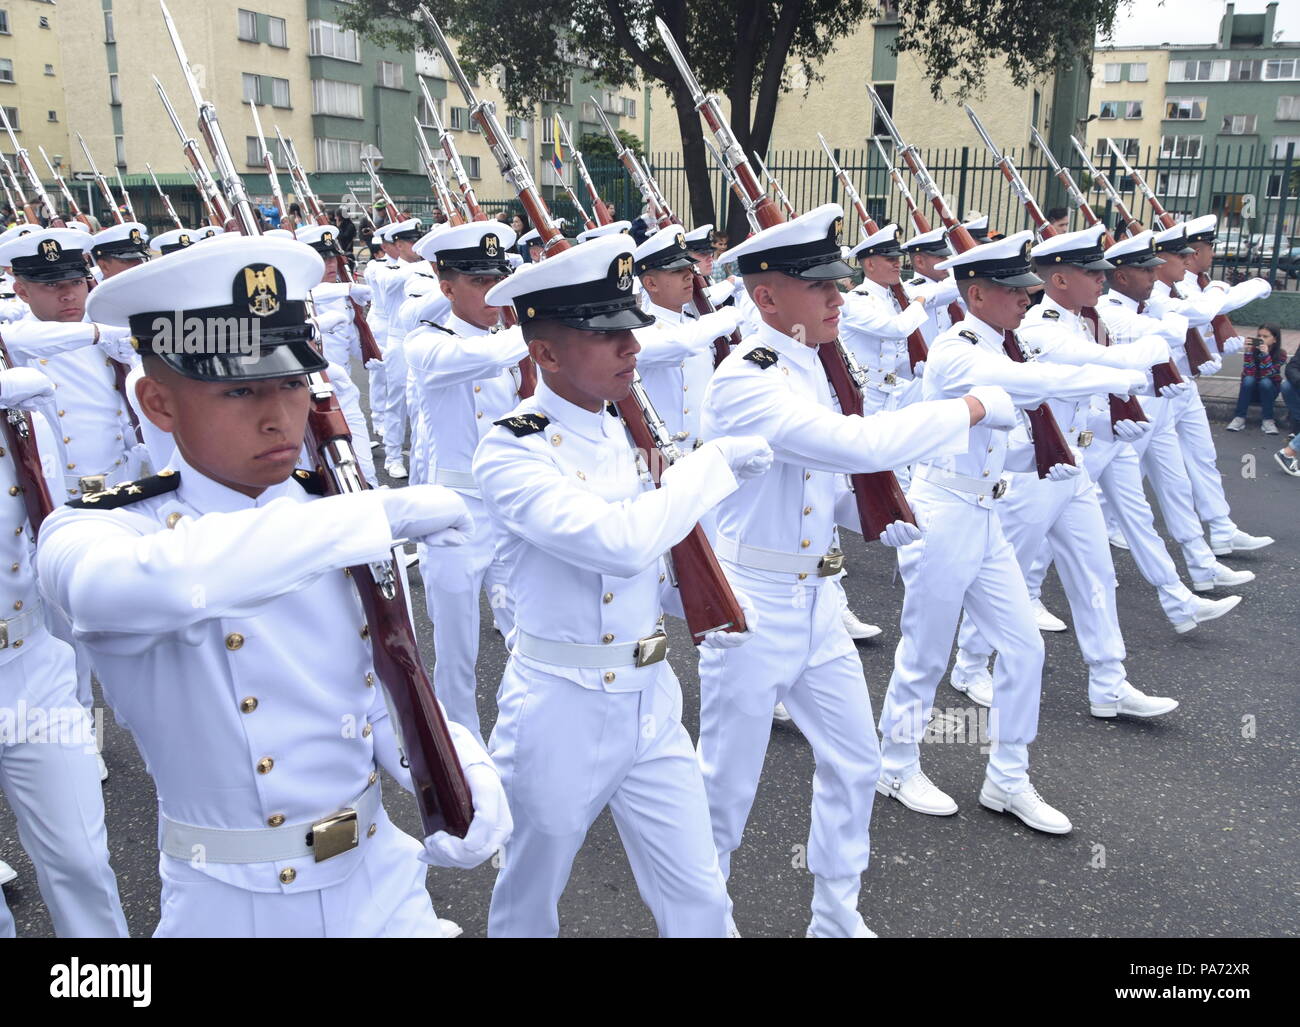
(263, 294)
(51, 250)
(491, 245)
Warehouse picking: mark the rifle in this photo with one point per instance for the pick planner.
(735, 189)
(33, 179)
(126, 196)
(659, 206)
(369, 347)
(171, 211)
(917, 350)
(707, 598)
(77, 215)
(440, 788)
(391, 210)
(268, 162)
(880, 500)
(13, 203)
(20, 438)
(1122, 408)
(437, 183)
(1050, 446)
(573, 197)
(776, 187)
(104, 192)
(1224, 329)
(213, 202)
(597, 204)
(1193, 343)
(22, 205)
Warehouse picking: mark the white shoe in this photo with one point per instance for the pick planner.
(1028, 805)
(103, 768)
(1133, 703)
(862, 932)
(1269, 427)
(1224, 577)
(7, 873)
(1117, 539)
(1044, 618)
(411, 558)
(780, 715)
(449, 928)
(857, 629)
(376, 442)
(1236, 424)
(1207, 610)
(395, 470)
(917, 793)
(1240, 543)
(977, 688)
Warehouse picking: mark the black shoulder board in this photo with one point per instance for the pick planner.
(918, 280)
(968, 335)
(425, 274)
(730, 301)
(524, 424)
(129, 492)
(1115, 299)
(762, 356)
(440, 328)
(1053, 314)
(311, 482)
(611, 409)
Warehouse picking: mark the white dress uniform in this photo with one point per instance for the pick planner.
(48, 770)
(963, 557)
(376, 269)
(941, 311)
(581, 726)
(775, 540)
(392, 287)
(342, 344)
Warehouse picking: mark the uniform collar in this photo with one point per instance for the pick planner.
(593, 425)
(659, 313)
(1068, 316)
(1161, 291)
(984, 330)
(463, 328)
(802, 355)
(875, 290)
(1118, 297)
(208, 496)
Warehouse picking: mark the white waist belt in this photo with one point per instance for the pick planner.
(641, 653)
(959, 482)
(319, 839)
(16, 630)
(88, 484)
(822, 566)
(455, 479)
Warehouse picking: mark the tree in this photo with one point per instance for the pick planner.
(598, 144)
(743, 49)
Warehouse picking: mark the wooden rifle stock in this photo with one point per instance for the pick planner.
(1224, 329)
(1122, 408)
(20, 437)
(1050, 446)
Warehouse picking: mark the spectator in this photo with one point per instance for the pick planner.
(1059, 218)
(518, 223)
(347, 235)
(1261, 378)
(1291, 390)
(1288, 458)
(503, 216)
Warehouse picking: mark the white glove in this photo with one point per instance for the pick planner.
(116, 343)
(1211, 366)
(360, 292)
(1234, 345)
(1062, 472)
(330, 321)
(24, 388)
(1245, 292)
(748, 456)
(999, 411)
(1137, 382)
(488, 831)
(900, 533)
(432, 514)
(374, 364)
(918, 372)
(1175, 389)
(730, 639)
(722, 321)
(1129, 431)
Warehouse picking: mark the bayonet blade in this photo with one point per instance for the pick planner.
(441, 42)
(885, 119)
(679, 59)
(979, 127)
(179, 47)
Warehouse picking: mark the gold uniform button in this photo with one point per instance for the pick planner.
(365, 731)
(44, 361)
(67, 438)
(478, 388)
(663, 578)
(374, 776)
(582, 475)
(173, 518)
(18, 530)
(370, 680)
(609, 676)
(807, 475)
(18, 644)
(72, 467)
(62, 412)
(14, 490)
(288, 875)
(608, 597)
(805, 543)
(265, 764)
(607, 638)
(986, 474)
(275, 820)
(990, 449)
(687, 410)
(802, 576)
(370, 831)
(556, 439)
(478, 414)
(18, 605)
(14, 568)
(807, 510)
(248, 704)
(234, 641)
(686, 388)
(365, 630)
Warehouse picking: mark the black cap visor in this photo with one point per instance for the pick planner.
(280, 353)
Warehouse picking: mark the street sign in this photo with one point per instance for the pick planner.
(83, 176)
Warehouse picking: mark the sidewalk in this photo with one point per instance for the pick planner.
(1219, 391)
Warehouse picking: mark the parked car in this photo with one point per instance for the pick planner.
(1289, 262)
(1233, 245)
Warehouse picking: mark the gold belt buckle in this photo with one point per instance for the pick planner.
(334, 834)
(1000, 489)
(92, 483)
(4, 634)
(651, 649)
(891, 378)
(830, 564)
(1085, 439)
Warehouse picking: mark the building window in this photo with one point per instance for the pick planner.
(341, 99)
(472, 165)
(886, 94)
(252, 88)
(108, 28)
(425, 115)
(6, 70)
(629, 107)
(1185, 108)
(1282, 69)
(52, 116)
(1244, 71)
(45, 22)
(1113, 72)
(1110, 109)
(338, 155)
(1274, 190)
(1180, 146)
(559, 92)
(119, 150)
(1288, 108)
(4, 22)
(1280, 143)
(460, 118)
(49, 69)
(1238, 124)
(1178, 183)
(1137, 72)
(1037, 106)
(12, 114)
(390, 75)
(247, 26)
(516, 128)
(1133, 109)
(325, 39)
(277, 33)
(1198, 71)
(255, 152)
(114, 89)
(279, 92)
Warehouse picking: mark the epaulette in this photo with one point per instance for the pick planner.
(918, 280)
(968, 335)
(524, 424)
(129, 492)
(762, 356)
(441, 328)
(1053, 314)
(1115, 299)
(311, 482)
(425, 274)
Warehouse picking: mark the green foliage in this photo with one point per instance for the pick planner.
(598, 145)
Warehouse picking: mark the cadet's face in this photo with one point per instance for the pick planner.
(1171, 271)
(923, 264)
(588, 369)
(1135, 282)
(883, 270)
(1073, 287)
(705, 263)
(111, 266)
(1200, 261)
(669, 289)
(804, 310)
(466, 293)
(54, 301)
(331, 270)
(246, 435)
(1001, 306)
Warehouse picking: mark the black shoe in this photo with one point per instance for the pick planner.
(1290, 464)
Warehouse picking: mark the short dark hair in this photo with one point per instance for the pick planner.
(1056, 213)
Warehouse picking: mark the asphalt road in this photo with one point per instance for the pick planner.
(1185, 826)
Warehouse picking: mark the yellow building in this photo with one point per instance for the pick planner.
(1128, 97)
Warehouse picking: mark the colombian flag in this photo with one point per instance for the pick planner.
(557, 158)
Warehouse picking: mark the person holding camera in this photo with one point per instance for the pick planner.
(1261, 378)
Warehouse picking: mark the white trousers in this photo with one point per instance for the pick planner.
(378, 380)
(52, 783)
(963, 559)
(1201, 462)
(801, 655)
(394, 411)
(453, 578)
(1066, 515)
(565, 753)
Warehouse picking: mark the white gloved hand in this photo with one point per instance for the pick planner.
(1245, 292)
(748, 456)
(1129, 431)
(1234, 345)
(360, 292)
(432, 514)
(330, 321)
(722, 639)
(1211, 366)
(374, 364)
(116, 343)
(918, 372)
(999, 411)
(24, 388)
(722, 321)
(1062, 472)
(1175, 389)
(900, 533)
(488, 831)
